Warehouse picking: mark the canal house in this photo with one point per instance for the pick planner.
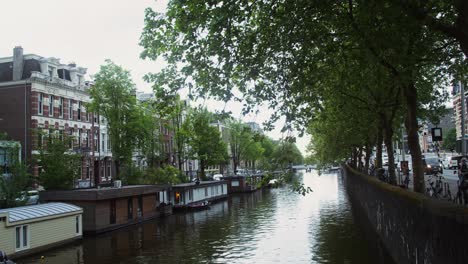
(247, 183)
(30, 229)
(193, 195)
(106, 209)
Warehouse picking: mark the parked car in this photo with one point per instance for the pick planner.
(432, 165)
(454, 161)
(30, 197)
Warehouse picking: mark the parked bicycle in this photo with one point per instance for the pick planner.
(436, 186)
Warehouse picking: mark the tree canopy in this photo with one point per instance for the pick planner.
(388, 59)
(113, 97)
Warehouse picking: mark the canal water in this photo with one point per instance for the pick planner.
(269, 226)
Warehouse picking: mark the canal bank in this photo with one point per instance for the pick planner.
(269, 226)
(414, 228)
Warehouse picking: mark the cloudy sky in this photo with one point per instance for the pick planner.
(89, 31)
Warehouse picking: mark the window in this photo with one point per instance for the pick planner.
(72, 140)
(112, 212)
(39, 140)
(61, 107)
(87, 139)
(103, 138)
(40, 103)
(108, 169)
(190, 194)
(140, 206)
(108, 144)
(78, 77)
(79, 137)
(51, 105)
(130, 208)
(88, 171)
(96, 142)
(206, 191)
(70, 109)
(22, 237)
(77, 225)
(79, 110)
(212, 191)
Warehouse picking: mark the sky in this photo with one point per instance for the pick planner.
(88, 32)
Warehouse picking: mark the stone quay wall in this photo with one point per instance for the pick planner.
(413, 228)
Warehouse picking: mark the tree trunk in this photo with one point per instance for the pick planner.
(234, 165)
(368, 155)
(388, 136)
(359, 159)
(412, 128)
(378, 154)
(202, 169)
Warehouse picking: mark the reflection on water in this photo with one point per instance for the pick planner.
(270, 226)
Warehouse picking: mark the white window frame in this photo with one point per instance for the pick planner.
(70, 109)
(78, 225)
(61, 107)
(28, 238)
(40, 104)
(51, 105)
(79, 111)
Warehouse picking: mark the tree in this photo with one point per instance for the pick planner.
(59, 167)
(450, 140)
(14, 178)
(242, 141)
(113, 97)
(287, 154)
(204, 140)
(286, 54)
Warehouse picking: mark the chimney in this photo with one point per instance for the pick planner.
(17, 63)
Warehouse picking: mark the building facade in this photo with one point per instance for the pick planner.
(40, 96)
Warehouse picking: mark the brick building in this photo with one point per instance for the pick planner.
(42, 94)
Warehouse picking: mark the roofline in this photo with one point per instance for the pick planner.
(39, 219)
(25, 56)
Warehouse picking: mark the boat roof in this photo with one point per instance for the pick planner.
(31, 212)
(193, 184)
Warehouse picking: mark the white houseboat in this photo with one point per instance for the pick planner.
(197, 195)
(30, 229)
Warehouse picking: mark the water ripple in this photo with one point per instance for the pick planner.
(271, 226)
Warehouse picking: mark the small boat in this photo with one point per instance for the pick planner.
(199, 205)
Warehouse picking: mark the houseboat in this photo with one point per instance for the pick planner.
(30, 229)
(197, 195)
(243, 183)
(106, 209)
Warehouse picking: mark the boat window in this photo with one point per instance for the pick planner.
(112, 212)
(22, 237)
